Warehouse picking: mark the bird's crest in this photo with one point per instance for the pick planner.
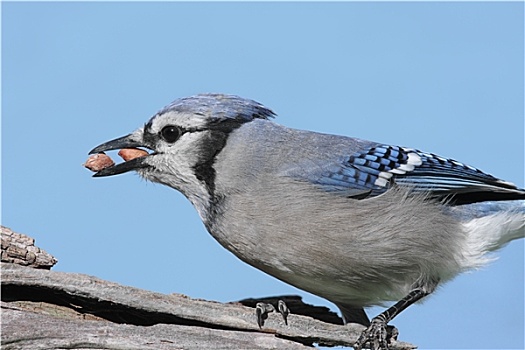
(220, 107)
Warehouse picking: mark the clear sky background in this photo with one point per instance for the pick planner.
(441, 77)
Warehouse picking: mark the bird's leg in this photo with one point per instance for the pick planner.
(377, 333)
(263, 309)
(353, 314)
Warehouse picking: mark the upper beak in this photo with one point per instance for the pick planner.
(122, 142)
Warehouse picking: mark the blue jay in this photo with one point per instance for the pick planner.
(353, 221)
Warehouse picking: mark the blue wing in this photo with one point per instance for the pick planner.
(373, 171)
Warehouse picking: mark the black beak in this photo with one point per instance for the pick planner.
(122, 142)
(119, 143)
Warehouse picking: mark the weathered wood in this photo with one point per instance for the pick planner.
(27, 330)
(20, 249)
(47, 309)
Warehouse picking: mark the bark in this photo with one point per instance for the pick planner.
(20, 249)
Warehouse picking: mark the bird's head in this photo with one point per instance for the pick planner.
(184, 139)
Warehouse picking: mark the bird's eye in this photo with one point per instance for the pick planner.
(170, 133)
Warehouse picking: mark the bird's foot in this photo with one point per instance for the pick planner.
(263, 309)
(378, 335)
(283, 310)
(261, 312)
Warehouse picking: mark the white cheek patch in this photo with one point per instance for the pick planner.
(174, 166)
(183, 153)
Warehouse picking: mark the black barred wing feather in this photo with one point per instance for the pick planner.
(374, 170)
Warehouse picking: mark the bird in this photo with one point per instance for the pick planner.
(357, 222)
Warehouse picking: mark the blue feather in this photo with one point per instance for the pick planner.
(220, 107)
(376, 169)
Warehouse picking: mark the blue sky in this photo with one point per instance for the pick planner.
(441, 77)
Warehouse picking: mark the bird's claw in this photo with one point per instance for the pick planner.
(378, 335)
(263, 309)
(283, 310)
(261, 312)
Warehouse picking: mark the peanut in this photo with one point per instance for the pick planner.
(99, 161)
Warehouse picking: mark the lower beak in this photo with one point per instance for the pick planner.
(121, 142)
